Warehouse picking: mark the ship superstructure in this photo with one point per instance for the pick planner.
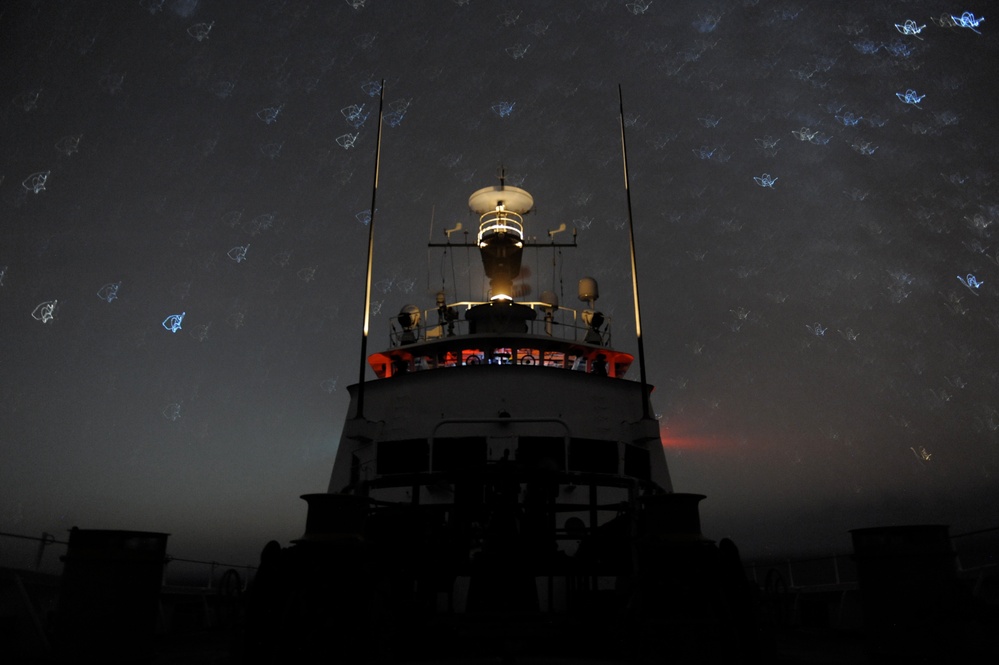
(500, 488)
(470, 388)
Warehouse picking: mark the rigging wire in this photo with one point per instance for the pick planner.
(468, 268)
(448, 257)
(433, 209)
(553, 264)
(537, 270)
(561, 285)
(454, 279)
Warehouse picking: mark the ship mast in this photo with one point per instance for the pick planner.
(371, 247)
(634, 268)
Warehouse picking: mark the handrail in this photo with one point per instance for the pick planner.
(788, 564)
(544, 326)
(47, 539)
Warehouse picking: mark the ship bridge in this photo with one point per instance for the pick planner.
(500, 332)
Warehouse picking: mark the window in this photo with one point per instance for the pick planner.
(407, 456)
(459, 453)
(637, 462)
(593, 456)
(541, 452)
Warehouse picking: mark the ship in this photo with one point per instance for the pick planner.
(501, 491)
(500, 494)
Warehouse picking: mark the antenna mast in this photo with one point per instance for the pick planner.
(634, 268)
(371, 247)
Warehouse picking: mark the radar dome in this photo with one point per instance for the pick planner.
(588, 290)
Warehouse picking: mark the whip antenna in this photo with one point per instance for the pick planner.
(371, 247)
(634, 267)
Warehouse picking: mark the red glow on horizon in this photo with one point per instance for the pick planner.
(683, 437)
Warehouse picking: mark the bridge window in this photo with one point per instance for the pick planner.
(593, 456)
(459, 453)
(407, 456)
(541, 452)
(637, 462)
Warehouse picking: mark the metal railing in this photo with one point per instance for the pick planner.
(556, 322)
(814, 573)
(47, 540)
(788, 585)
(975, 552)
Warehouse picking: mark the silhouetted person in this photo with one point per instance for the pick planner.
(265, 607)
(600, 366)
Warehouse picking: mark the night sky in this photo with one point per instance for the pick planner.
(815, 205)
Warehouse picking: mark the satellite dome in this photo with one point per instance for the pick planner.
(588, 290)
